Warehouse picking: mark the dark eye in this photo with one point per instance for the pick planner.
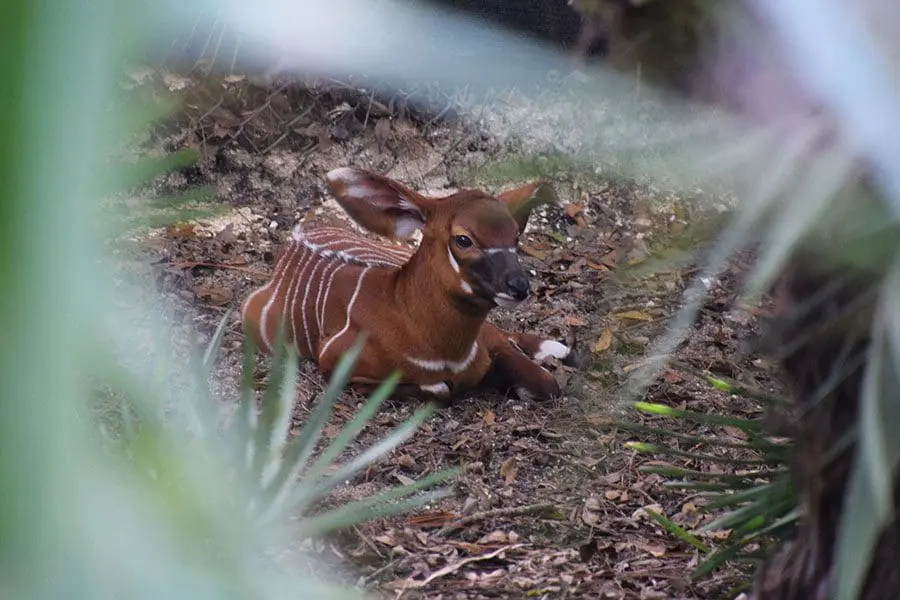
(463, 241)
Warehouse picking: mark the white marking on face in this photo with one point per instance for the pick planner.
(453, 262)
(496, 250)
(441, 365)
(359, 282)
(465, 286)
(504, 300)
(438, 389)
(552, 348)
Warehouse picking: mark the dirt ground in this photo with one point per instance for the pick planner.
(551, 504)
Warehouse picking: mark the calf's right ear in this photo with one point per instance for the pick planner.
(378, 203)
(522, 200)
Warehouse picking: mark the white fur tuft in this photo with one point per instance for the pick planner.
(438, 389)
(550, 348)
(524, 394)
(406, 226)
(348, 175)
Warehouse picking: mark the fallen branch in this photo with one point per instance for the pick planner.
(458, 565)
(514, 511)
(192, 264)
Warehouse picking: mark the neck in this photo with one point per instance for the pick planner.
(447, 324)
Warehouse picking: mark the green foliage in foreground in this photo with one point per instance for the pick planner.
(758, 499)
(155, 496)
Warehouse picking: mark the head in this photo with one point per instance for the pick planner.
(473, 233)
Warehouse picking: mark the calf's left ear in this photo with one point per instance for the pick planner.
(522, 200)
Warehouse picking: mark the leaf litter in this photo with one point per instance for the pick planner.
(550, 503)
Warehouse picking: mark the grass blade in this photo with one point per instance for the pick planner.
(678, 531)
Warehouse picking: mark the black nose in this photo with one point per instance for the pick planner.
(518, 287)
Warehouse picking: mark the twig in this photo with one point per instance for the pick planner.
(513, 511)
(192, 264)
(458, 565)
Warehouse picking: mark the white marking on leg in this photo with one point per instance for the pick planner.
(524, 394)
(441, 365)
(550, 348)
(264, 315)
(359, 282)
(453, 262)
(438, 389)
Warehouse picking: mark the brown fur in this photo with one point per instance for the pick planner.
(412, 305)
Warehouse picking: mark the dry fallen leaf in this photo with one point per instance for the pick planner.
(181, 230)
(672, 377)
(489, 417)
(641, 513)
(404, 480)
(735, 432)
(612, 494)
(496, 537)
(534, 252)
(575, 321)
(590, 514)
(573, 208)
(407, 461)
(605, 340)
(634, 315)
(509, 469)
(657, 550)
(597, 267)
(382, 132)
(216, 296)
(431, 519)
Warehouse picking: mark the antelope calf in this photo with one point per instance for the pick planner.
(425, 310)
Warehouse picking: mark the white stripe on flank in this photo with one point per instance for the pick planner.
(440, 365)
(359, 282)
(349, 247)
(324, 303)
(307, 259)
(309, 282)
(334, 266)
(264, 315)
(290, 295)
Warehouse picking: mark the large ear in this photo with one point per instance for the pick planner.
(378, 203)
(522, 200)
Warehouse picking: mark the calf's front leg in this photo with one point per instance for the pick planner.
(513, 365)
